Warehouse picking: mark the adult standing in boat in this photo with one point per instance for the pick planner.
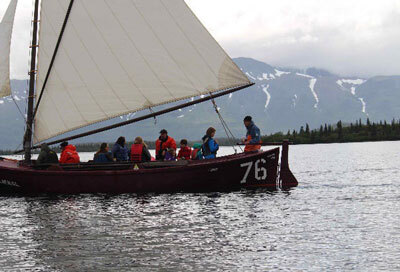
(139, 151)
(68, 154)
(120, 151)
(252, 137)
(210, 146)
(46, 155)
(103, 155)
(164, 143)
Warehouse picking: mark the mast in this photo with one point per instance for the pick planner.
(29, 122)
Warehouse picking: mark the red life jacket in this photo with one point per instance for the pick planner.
(184, 153)
(69, 155)
(136, 152)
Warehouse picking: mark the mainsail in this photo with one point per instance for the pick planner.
(122, 56)
(6, 26)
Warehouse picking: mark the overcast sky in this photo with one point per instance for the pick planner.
(348, 37)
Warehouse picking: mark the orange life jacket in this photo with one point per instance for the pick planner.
(69, 155)
(251, 147)
(136, 152)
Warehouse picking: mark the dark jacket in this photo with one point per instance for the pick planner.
(46, 155)
(103, 157)
(254, 132)
(209, 148)
(120, 153)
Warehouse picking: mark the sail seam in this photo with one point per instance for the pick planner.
(166, 50)
(98, 67)
(132, 81)
(195, 48)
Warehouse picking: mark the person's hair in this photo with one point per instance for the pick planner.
(121, 141)
(210, 131)
(103, 147)
(139, 140)
(170, 150)
(164, 131)
(184, 141)
(248, 119)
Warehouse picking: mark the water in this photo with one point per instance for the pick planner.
(343, 216)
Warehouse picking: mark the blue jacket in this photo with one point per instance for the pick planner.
(103, 157)
(254, 132)
(209, 148)
(120, 153)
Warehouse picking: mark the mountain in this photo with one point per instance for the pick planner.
(281, 99)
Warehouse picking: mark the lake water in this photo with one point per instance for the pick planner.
(344, 215)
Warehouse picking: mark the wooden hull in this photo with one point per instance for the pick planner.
(222, 174)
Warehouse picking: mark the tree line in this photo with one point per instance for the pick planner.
(341, 133)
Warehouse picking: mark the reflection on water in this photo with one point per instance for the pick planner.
(343, 216)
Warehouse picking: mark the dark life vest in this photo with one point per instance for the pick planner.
(136, 152)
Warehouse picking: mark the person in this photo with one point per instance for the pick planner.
(252, 136)
(68, 154)
(185, 151)
(210, 146)
(119, 151)
(196, 153)
(46, 155)
(139, 151)
(103, 155)
(170, 155)
(163, 143)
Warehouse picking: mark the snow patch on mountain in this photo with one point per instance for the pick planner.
(304, 75)
(1, 102)
(250, 76)
(353, 91)
(265, 90)
(364, 105)
(313, 81)
(230, 95)
(280, 73)
(294, 100)
(181, 116)
(359, 81)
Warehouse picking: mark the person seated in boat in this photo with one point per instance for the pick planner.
(210, 146)
(196, 152)
(120, 151)
(68, 154)
(163, 143)
(170, 155)
(46, 155)
(185, 151)
(252, 139)
(103, 155)
(139, 151)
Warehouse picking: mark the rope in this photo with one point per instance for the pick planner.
(228, 132)
(155, 117)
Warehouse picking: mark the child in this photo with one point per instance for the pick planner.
(170, 155)
(185, 151)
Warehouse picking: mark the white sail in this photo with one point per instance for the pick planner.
(122, 56)
(6, 26)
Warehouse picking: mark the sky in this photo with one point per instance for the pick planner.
(347, 37)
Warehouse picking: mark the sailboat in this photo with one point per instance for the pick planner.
(93, 61)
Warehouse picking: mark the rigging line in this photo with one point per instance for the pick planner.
(20, 111)
(155, 117)
(224, 125)
(54, 56)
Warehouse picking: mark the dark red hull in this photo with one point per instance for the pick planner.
(222, 174)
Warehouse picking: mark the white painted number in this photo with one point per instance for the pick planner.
(260, 172)
(248, 165)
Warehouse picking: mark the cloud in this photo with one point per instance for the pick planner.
(349, 37)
